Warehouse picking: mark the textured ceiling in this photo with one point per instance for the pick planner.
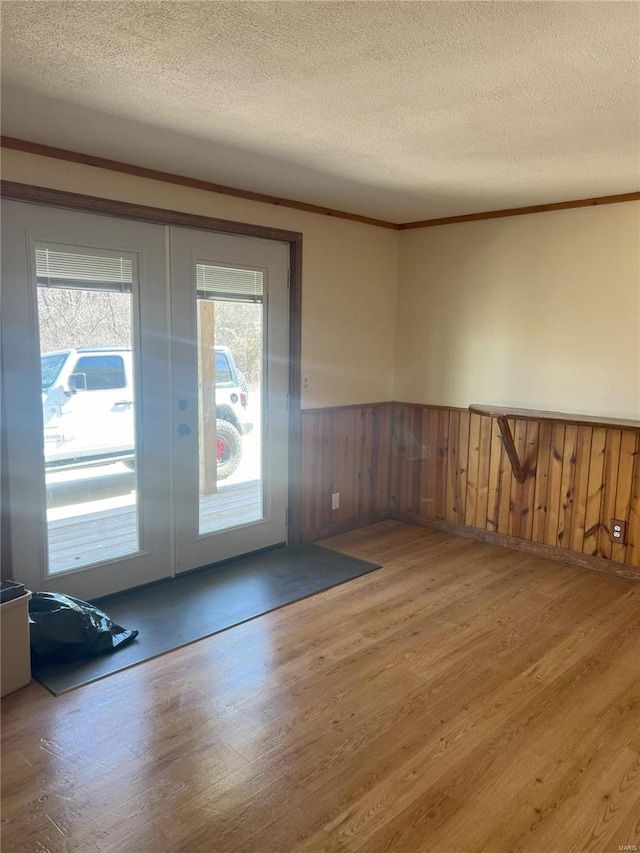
(398, 110)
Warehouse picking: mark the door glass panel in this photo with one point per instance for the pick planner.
(230, 396)
(85, 308)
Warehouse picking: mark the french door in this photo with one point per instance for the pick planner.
(237, 306)
(145, 372)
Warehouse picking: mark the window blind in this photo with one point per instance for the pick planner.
(68, 269)
(214, 282)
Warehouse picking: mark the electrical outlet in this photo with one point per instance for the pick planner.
(618, 531)
(305, 383)
(335, 500)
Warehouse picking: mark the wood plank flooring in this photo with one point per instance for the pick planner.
(464, 698)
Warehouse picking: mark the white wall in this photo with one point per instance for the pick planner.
(538, 311)
(349, 273)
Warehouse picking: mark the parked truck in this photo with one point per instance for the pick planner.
(88, 408)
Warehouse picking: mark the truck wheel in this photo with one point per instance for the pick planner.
(228, 447)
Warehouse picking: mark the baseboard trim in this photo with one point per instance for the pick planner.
(572, 558)
(585, 561)
(338, 527)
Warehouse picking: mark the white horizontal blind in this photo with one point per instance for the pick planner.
(213, 282)
(71, 269)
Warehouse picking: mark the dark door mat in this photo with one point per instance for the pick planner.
(177, 612)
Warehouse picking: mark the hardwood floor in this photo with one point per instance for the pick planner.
(463, 698)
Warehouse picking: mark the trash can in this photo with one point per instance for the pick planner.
(15, 666)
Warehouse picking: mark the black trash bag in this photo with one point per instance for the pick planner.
(63, 628)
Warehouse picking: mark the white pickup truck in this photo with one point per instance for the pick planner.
(88, 408)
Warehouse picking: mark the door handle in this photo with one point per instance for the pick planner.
(126, 403)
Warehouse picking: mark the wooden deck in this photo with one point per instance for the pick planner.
(99, 535)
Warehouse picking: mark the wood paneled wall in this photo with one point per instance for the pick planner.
(344, 450)
(449, 467)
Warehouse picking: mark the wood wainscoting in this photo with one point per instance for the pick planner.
(344, 450)
(448, 468)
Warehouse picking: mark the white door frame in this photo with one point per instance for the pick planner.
(190, 247)
(108, 207)
(22, 226)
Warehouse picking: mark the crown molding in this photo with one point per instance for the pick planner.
(181, 180)
(194, 183)
(521, 211)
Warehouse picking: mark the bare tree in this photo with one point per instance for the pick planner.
(238, 325)
(76, 318)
